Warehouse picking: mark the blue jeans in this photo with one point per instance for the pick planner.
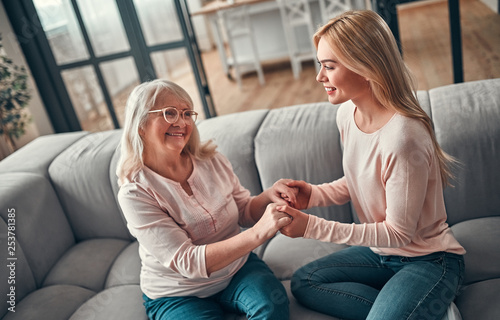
(254, 291)
(356, 283)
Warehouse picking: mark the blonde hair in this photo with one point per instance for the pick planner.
(141, 100)
(364, 44)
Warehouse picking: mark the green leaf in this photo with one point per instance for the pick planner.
(14, 97)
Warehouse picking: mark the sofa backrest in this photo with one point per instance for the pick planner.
(234, 135)
(34, 231)
(302, 143)
(467, 123)
(86, 182)
(299, 142)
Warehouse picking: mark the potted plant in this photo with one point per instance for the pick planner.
(14, 97)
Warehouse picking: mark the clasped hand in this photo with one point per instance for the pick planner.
(293, 196)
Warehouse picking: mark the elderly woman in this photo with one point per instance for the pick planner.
(184, 204)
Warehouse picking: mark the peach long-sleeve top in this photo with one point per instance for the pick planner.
(173, 228)
(393, 181)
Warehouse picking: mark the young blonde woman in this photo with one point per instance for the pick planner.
(403, 261)
(185, 206)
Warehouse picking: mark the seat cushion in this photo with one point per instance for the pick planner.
(285, 255)
(127, 267)
(299, 312)
(54, 303)
(87, 264)
(480, 301)
(24, 279)
(42, 230)
(480, 238)
(117, 303)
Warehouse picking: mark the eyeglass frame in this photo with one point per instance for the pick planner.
(178, 113)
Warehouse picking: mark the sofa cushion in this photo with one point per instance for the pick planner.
(36, 156)
(466, 122)
(424, 101)
(16, 276)
(87, 264)
(480, 301)
(54, 303)
(285, 255)
(480, 237)
(234, 135)
(41, 229)
(82, 180)
(113, 178)
(299, 311)
(117, 303)
(126, 268)
(302, 143)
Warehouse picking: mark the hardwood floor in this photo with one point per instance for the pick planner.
(425, 39)
(425, 36)
(281, 88)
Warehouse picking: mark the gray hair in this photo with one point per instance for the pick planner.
(141, 100)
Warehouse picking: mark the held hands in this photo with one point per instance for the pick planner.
(289, 196)
(271, 221)
(297, 227)
(294, 193)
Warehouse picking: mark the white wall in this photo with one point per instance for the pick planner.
(493, 4)
(41, 124)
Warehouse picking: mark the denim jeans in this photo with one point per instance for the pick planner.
(356, 283)
(254, 291)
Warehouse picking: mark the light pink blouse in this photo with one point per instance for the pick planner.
(173, 228)
(393, 181)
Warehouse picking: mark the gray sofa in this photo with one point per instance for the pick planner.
(73, 257)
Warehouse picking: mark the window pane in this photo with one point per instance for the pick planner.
(104, 26)
(159, 21)
(121, 78)
(62, 30)
(174, 65)
(87, 99)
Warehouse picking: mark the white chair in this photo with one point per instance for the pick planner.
(296, 14)
(237, 25)
(332, 8)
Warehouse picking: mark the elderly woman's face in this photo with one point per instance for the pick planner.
(160, 136)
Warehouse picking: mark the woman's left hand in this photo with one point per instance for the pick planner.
(271, 221)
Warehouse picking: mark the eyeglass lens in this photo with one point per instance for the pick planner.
(172, 114)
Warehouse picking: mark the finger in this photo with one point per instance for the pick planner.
(284, 221)
(288, 210)
(281, 201)
(295, 183)
(289, 193)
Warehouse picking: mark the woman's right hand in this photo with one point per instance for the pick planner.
(271, 221)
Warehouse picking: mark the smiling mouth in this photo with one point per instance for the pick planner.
(330, 90)
(175, 134)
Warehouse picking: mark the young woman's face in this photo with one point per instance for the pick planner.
(341, 84)
(161, 137)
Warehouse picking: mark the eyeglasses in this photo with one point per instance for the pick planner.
(171, 114)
